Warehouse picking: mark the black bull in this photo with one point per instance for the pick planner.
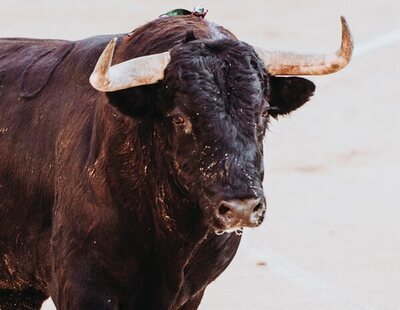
(114, 200)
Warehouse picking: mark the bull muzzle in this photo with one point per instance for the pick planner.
(235, 214)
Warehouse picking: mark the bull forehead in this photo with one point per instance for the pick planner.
(219, 76)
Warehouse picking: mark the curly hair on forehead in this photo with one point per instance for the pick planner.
(223, 69)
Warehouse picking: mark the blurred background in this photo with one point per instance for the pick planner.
(332, 235)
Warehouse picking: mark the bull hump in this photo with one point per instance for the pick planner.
(42, 67)
(32, 62)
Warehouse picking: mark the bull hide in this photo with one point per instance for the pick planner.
(113, 200)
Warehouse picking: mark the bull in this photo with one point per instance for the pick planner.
(116, 193)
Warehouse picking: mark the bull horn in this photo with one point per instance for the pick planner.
(135, 72)
(284, 63)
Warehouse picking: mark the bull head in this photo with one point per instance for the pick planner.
(215, 108)
(150, 69)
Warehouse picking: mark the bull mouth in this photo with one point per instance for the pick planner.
(238, 232)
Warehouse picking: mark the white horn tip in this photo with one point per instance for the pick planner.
(347, 45)
(345, 28)
(99, 77)
(343, 20)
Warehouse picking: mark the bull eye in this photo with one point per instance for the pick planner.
(265, 113)
(265, 109)
(178, 119)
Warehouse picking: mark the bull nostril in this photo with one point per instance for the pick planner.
(258, 208)
(243, 212)
(223, 209)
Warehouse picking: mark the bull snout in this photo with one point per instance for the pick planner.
(237, 213)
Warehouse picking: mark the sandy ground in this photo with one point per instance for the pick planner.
(331, 239)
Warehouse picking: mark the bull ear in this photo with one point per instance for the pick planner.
(288, 94)
(135, 102)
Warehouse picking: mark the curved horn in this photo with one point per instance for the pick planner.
(135, 72)
(284, 63)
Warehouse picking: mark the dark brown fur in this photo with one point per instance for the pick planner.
(92, 209)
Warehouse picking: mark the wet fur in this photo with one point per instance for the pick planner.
(93, 210)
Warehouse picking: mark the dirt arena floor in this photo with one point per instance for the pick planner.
(332, 235)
